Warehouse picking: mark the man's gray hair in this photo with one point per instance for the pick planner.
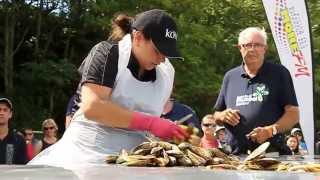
(252, 30)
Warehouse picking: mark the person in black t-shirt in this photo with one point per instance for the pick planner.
(49, 128)
(12, 145)
(257, 101)
(124, 85)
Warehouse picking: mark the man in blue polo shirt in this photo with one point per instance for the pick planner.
(257, 101)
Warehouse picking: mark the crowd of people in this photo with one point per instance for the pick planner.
(124, 95)
(19, 147)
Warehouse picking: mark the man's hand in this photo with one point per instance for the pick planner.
(231, 116)
(260, 134)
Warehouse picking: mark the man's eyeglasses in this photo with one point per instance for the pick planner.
(208, 125)
(47, 128)
(252, 45)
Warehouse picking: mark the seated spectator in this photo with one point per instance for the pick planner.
(12, 145)
(221, 136)
(49, 128)
(174, 111)
(302, 145)
(31, 143)
(293, 144)
(208, 127)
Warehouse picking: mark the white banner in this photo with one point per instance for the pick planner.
(288, 20)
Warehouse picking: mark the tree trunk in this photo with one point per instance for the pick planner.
(51, 103)
(49, 40)
(66, 49)
(9, 30)
(37, 53)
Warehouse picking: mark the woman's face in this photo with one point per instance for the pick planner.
(146, 52)
(292, 143)
(49, 129)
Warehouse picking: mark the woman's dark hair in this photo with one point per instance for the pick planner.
(121, 25)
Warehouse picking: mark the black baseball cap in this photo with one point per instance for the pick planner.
(162, 30)
(7, 101)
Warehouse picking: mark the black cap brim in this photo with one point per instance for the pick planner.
(169, 50)
(7, 101)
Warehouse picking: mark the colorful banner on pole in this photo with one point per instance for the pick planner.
(288, 20)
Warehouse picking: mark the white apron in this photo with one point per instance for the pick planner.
(86, 141)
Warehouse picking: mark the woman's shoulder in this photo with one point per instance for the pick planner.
(106, 47)
(99, 54)
(166, 65)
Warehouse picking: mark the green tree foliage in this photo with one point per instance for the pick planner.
(49, 40)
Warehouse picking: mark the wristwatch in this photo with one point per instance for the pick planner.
(274, 130)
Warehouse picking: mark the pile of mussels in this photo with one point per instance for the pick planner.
(160, 153)
(163, 154)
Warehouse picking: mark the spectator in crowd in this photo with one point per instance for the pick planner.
(174, 111)
(221, 136)
(208, 126)
(257, 100)
(31, 142)
(317, 145)
(124, 85)
(302, 145)
(71, 109)
(293, 144)
(50, 129)
(12, 145)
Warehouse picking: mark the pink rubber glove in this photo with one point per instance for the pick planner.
(160, 127)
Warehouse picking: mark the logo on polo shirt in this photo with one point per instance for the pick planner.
(257, 96)
(171, 34)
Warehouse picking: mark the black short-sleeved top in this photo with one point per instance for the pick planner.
(13, 149)
(101, 67)
(261, 100)
(45, 145)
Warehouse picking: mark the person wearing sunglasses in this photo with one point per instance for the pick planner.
(49, 129)
(257, 100)
(208, 127)
(124, 85)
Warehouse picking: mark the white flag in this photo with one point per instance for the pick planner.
(288, 20)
